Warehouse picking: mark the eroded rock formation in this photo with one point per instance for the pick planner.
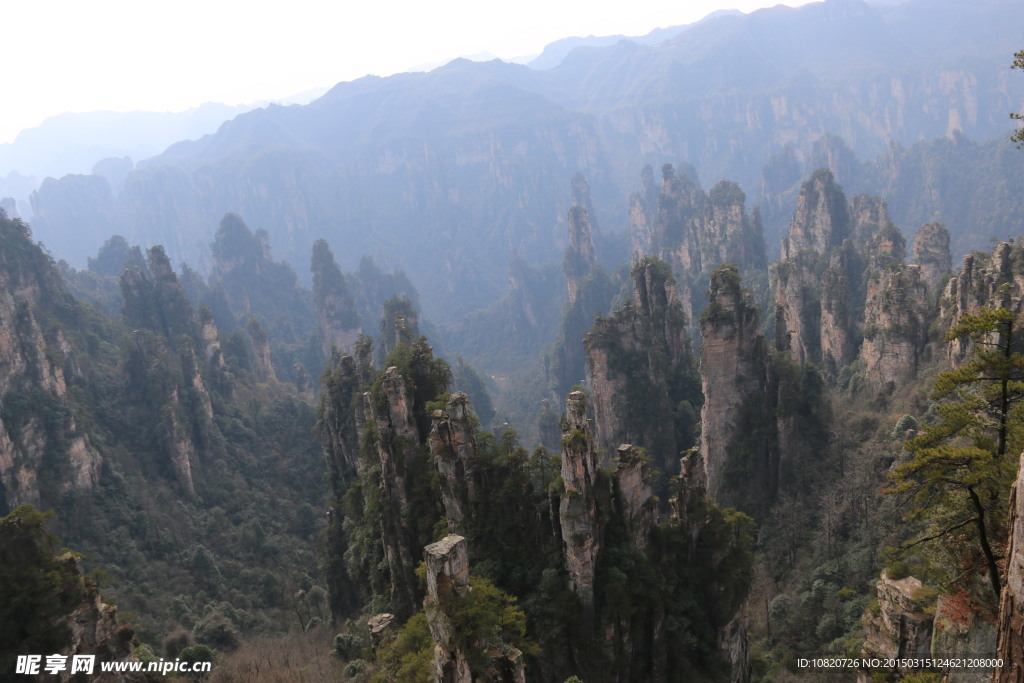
(37, 421)
(895, 325)
(931, 253)
(447, 565)
(733, 370)
(1011, 604)
(581, 532)
(640, 367)
(338, 321)
(453, 448)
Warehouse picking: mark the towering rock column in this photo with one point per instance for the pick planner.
(397, 441)
(447, 577)
(732, 366)
(580, 258)
(447, 563)
(581, 533)
(453, 446)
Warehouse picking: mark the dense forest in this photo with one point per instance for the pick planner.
(602, 423)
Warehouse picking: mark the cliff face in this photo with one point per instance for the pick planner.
(48, 607)
(580, 257)
(843, 291)
(895, 326)
(581, 532)
(1011, 603)
(983, 280)
(900, 628)
(696, 232)
(640, 367)
(817, 280)
(336, 316)
(822, 218)
(733, 368)
(631, 481)
(42, 449)
(447, 578)
(643, 207)
(447, 565)
(931, 253)
(396, 444)
(453, 448)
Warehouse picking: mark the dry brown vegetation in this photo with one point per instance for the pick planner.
(303, 657)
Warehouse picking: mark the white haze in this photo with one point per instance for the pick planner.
(124, 55)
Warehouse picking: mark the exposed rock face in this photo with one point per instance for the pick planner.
(338, 321)
(579, 254)
(696, 232)
(153, 373)
(869, 215)
(895, 325)
(689, 502)
(399, 324)
(959, 631)
(260, 350)
(1011, 604)
(337, 425)
(995, 281)
(54, 610)
(643, 207)
(843, 290)
(638, 359)
(797, 308)
(210, 338)
(453, 447)
(838, 313)
(822, 219)
(580, 257)
(397, 442)
(581, 532)
(817, 281)
(901, 628)
(733, 369)
(732, 640)
(36, 365)
(632, 488)
(931, 254)
(447, 576)
(447, 563)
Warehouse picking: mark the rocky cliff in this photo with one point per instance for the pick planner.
(390, 411)
(447, 567)
(1011, 604)
(895, 325)
(582, 532)
(337, 319)
(580, 258)
(932, 255)
(696, 232)
(640, 370)
(453, 447)
(47, 607)
(734, 372)
(43, 451)
(984, 280)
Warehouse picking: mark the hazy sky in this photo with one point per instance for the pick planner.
(71, 55)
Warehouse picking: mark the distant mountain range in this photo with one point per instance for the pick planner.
(451, 173)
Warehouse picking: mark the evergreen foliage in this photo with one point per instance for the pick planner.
(960, 470)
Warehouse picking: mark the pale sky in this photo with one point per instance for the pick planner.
(121, 55)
